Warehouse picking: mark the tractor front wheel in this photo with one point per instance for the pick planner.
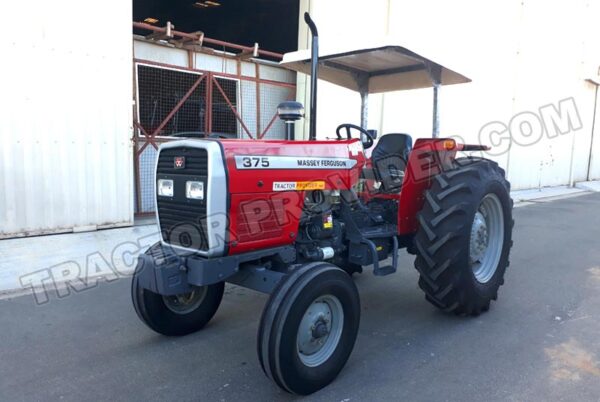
(176, 315)
(308, 328)
(464, 236)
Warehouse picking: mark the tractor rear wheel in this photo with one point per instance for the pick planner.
(308, 328)
(464, 236)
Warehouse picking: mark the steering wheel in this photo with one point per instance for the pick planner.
(366, 144)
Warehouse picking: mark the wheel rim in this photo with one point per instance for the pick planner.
(185, 303)
(487, 238)
(320, 330)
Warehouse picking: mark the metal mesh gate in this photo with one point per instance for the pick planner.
(159, 92)
(174, 102)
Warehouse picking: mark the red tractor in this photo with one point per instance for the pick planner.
(296, 219)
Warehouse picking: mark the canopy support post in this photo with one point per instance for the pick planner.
(435, 132)
(435, 73)
(363, 88)
(364, 109)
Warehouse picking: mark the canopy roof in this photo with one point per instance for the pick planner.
(380, 68)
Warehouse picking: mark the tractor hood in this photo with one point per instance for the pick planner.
(375, 69)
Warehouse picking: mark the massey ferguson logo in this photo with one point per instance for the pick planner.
(179, 162)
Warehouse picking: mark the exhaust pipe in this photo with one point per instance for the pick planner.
(314, 60)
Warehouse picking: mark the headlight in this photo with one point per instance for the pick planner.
(164, 187)
(194, 190)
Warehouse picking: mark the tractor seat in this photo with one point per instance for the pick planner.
(389, 159)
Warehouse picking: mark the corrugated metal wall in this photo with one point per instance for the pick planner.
(594, 159)
(65, 118)
(521, 54)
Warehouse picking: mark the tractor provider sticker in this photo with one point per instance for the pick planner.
(291, 162)
(298, 185)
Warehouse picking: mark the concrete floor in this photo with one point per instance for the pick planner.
(538, 342)
(27, 260)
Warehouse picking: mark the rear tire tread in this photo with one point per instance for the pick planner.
(443, 227)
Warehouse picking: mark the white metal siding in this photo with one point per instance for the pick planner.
(66, 112)
(517, 57)
(594, 158)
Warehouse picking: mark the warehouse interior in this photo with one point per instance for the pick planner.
(214, 72)
(237, 21)
(84, 148)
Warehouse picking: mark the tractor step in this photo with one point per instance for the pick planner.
(385, 270)
(380, 231)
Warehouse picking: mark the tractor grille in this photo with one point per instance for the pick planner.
(183, 221)
(196, 161)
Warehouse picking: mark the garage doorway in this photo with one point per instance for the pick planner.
(188, 88)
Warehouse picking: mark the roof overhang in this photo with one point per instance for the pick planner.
(381, 68)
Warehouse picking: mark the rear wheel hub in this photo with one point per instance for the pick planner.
(479, 237)
(487, 238)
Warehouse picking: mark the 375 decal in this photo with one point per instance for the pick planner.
(254, 162)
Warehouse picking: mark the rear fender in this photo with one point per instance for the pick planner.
(428, 158)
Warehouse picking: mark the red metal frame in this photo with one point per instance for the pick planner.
(203, 39)
(211, 83)
(142, 137)
(150, 138)
(209, 105)
(220, 74)
(233, 109)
